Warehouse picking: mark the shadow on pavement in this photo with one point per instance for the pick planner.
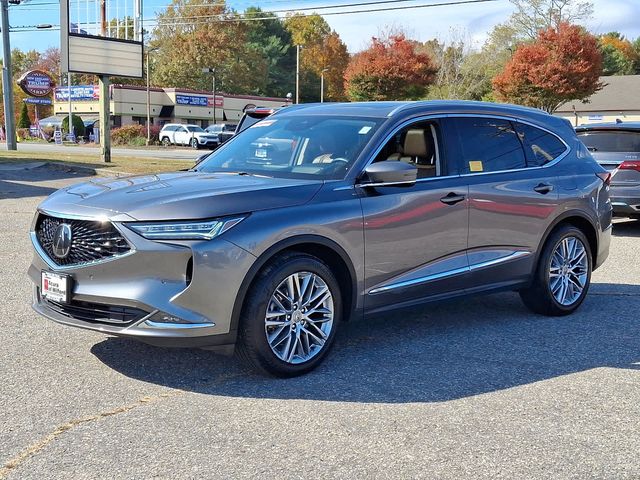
(24, 182)
(627, 228)
(437, 353)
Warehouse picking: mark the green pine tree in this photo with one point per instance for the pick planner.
(24, 121)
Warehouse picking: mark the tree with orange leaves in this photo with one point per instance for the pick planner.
(390, 69)
(562, 64)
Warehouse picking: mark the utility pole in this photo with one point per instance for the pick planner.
(322, 84)
(71, 129)
(105, 105)
(7, 82)
(297, 73)
(212, 71)
(149, 50)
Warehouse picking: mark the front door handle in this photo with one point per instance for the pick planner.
(543, 188)
(452, 198)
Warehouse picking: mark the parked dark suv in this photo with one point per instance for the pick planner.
(616, 146)
(323, 213)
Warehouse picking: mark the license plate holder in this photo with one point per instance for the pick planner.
(55, 286)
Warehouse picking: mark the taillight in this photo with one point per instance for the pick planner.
(605, 177)
(630, 165)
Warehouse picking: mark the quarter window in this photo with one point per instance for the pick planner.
(488, 145)
(541, 147)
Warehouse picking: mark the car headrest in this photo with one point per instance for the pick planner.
(415, 144)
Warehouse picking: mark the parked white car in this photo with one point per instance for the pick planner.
(187, 135)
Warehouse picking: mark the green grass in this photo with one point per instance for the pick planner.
(118, 164)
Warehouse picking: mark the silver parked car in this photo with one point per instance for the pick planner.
(616, 146)
(324, 213)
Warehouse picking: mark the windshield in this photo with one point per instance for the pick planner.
(193, 128)
(611, 141)
(315, 147)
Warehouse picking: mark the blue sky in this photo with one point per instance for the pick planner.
(473, 22)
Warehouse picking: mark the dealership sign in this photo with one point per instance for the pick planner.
(78, 93)
(198, 101)
(36, 83)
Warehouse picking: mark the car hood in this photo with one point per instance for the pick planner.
(179, 195)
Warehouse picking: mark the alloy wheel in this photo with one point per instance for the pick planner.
(569, 271)
(299, 317)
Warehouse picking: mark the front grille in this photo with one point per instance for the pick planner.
(90, 240)
(97, 312)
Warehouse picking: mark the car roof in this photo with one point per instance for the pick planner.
(609, 126)
(402, 108)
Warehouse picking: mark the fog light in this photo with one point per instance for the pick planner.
(162, 317)
(165, 320)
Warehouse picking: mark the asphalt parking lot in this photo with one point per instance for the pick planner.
(479, 388)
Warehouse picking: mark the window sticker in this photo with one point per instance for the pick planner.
(364, 130)
(475, 166)
(263, 123)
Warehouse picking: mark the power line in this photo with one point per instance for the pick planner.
(225, 17)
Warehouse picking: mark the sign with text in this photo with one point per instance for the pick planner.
(36, 83)
(198, 101)
(38, 101)
(79, 93)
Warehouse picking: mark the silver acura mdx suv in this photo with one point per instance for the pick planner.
(324, 213)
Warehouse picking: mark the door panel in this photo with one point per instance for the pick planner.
(415, 245)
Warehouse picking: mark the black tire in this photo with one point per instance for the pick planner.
(194, 144)
(166, 142)
(253, 347)
(539, 297)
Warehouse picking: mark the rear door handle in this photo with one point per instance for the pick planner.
(452, 198)
(543, 188)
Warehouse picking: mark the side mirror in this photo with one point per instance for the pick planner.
(389, 173)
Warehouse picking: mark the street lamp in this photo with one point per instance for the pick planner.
(212, 71)
(322, 84)
(149, 50)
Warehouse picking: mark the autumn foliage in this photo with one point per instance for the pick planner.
(562, 64)
(390, 69)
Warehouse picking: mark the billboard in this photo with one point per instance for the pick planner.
(93, 40)
(79, 93)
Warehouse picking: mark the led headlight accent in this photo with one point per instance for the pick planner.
(184, 230)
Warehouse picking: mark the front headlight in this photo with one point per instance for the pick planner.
(184, 230)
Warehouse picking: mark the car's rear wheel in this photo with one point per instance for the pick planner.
(563, 274)
(290, 316)
(166, 142)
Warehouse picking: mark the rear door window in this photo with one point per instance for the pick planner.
(611, 141)
(487, 145)
(540, 146)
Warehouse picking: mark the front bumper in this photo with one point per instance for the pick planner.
(195, 282)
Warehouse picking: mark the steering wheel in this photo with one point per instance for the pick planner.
(337, 165)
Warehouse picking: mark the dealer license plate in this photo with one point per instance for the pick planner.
(55, 287)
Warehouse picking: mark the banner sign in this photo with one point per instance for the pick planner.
(197, 101)
(79, 93)
(36, 83)
(596, 117)
(38, 101)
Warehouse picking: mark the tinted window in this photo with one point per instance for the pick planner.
(488, 145)
(193, 128)
(541, 147)
(608, 141)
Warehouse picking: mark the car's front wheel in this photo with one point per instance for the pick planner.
(194, 143)
(290, 316)
(563, 274)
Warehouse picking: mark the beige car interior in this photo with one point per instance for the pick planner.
(420, 149)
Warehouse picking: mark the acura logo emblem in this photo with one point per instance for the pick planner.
(62, 240)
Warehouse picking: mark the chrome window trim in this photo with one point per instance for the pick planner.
(54, 266)
(449, 273)
(436, 116)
